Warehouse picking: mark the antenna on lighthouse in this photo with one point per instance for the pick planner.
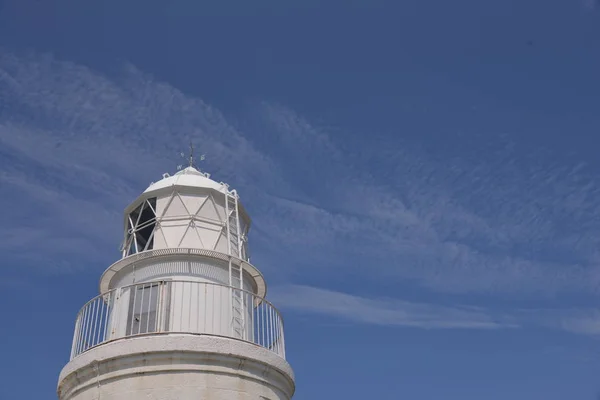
(190, 159)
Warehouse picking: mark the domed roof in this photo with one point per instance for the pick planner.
(189, 176)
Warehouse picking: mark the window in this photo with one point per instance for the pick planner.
(145, 308)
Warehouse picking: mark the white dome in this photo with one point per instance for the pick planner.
(189, 176)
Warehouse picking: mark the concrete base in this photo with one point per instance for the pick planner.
(177, 367)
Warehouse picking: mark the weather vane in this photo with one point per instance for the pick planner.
(190, 159)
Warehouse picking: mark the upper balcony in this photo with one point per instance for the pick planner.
(178, 306)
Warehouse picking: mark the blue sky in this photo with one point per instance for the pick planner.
(423, 178)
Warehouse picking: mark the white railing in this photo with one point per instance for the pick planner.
(172, 306)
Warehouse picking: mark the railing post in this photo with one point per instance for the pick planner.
(75, 336)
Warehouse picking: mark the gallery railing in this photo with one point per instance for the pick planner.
(172, 306)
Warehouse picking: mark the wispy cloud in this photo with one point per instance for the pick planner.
(68, 115)
(514, 221)
(574, 320)
(384, 311)
(590, 4)
(393, 312)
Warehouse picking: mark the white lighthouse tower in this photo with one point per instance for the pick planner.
(182, 314)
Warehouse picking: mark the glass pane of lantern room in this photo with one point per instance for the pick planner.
(145, 227)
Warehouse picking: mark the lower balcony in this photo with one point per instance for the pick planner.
(176, 306)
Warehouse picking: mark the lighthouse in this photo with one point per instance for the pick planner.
(182, 315)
